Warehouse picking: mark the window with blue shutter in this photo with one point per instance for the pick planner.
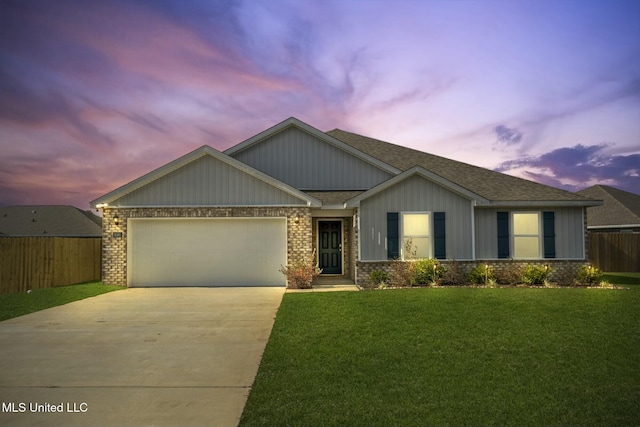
(549, 234)
(503, 235)
(393, 246)
(439, 239)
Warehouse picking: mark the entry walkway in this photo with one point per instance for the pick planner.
(329, 284)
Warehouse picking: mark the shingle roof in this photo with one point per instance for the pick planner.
(620, 207)
(49, 221)
(333, 197)
(491, 185)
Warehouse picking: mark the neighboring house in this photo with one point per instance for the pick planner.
(619, 214)
(233, 218)
(48, 221)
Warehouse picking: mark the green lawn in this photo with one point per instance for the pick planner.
(14, 305)
(451, 356)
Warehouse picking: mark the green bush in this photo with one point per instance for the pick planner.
(482, 275)
(588, 275)
(535, 274)
(378, 278)
(426, 271)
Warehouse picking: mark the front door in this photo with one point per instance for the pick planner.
(330, 247)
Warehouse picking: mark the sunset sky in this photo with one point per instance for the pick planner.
(96, 93)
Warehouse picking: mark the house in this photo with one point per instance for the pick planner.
(232, 218)
(48, 221)
(620, 212)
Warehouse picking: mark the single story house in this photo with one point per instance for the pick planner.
(620, 212)
(48, 221)
(232, 218)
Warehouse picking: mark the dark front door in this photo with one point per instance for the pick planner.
(330, 247)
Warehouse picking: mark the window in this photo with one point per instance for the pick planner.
(416, 229)
(526, 235)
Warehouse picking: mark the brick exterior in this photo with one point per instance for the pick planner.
(114, 248)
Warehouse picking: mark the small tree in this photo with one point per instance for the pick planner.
(301, 273)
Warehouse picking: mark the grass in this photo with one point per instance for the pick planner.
(451, 356)
(622, 278)
(14, 305)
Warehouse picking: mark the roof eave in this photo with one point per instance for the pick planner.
(417, 170)
(544, 203)
(192, 156)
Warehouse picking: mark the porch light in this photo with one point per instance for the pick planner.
(296, 219)
(116, 220)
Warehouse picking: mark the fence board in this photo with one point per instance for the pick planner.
(44, 262)
(615, 252)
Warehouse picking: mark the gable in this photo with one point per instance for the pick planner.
(205, 177)
(311, 162)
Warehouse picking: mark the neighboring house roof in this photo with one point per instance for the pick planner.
(620, 209)
(494, 186)
(49, 221)
(203, 151)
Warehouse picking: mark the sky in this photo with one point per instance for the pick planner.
(94, 94)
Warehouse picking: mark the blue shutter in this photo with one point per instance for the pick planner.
(503, 235)
(549, 233)
(393, 237)
(439, 240)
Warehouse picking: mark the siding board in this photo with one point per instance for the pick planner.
(568, 228)
(305, 162)
(415, 194)
(207, 182)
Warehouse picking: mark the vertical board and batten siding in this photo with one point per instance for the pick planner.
(415, 194)
(45, 262)
(207, 181)
(569, 231)
(305, 162)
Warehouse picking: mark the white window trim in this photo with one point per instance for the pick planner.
(514, 235)
(429, 236)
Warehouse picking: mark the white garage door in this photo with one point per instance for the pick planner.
(206, 251)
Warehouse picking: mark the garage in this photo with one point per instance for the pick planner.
(206, 251)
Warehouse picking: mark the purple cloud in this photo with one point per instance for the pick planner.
(573, 168)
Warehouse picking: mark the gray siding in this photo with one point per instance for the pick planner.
(305, 162)
(207, 182)
(569, 232)
(415, 194)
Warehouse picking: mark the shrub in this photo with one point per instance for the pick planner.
(535, 274)
(426, 271)
(588, 275)
(482, 275)
(378, 279)
(301, 273)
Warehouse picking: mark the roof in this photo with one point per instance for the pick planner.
(205, 150)
(496, 187)
(620, 208)
(49, 221)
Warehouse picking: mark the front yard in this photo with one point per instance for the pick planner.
(19, 304)
(452, 356)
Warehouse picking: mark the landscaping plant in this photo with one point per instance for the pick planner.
(589, 275)
(378, 279)
(426, 271)
(482, 275)
(301, 273)
(535, 274)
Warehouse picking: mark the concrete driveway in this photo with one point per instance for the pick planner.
(136, 357)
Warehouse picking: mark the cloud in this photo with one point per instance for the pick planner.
(580, 166)
(507, 136)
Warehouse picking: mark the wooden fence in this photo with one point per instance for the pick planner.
(45, 262)
(615, 251)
